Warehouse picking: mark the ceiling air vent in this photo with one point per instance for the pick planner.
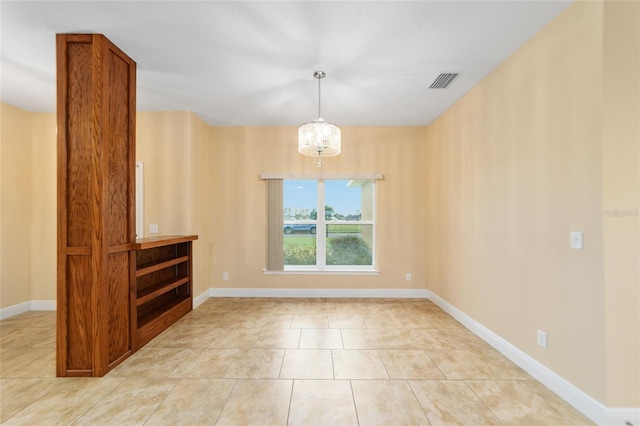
(443, 81)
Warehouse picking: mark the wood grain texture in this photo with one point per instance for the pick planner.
(119, 320)
(96, 204)
(79, 313)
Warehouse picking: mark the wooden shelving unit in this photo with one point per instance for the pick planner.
(96, 112)
(162, 271)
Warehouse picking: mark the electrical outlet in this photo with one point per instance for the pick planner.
(575, 240)
(543, 340)
(153, 228)
(407, 276)
(225, 276)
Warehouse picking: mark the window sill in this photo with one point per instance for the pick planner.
(323, 272)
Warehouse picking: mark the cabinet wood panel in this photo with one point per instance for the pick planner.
(96, 203)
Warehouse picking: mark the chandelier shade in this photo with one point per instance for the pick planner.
(319, 138)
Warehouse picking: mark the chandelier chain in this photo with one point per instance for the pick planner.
(319, 94)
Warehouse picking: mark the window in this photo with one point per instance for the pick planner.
(328, 224)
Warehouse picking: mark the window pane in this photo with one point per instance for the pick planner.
(349, 244)
(299, 209)
(348, 200)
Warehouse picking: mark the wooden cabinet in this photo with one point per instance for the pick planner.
(96, 109)
(163, 290)
(114, 293)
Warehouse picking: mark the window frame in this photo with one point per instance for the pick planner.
(321, 237)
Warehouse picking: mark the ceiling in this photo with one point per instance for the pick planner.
(240, 63)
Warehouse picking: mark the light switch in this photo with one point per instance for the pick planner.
(576, 240)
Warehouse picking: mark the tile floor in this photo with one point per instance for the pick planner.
(282, 362)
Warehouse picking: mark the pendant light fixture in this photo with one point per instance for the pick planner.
(319, 138)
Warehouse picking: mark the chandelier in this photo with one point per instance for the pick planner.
(319, 138)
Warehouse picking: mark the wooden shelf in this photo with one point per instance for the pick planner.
(159, 289)
(157, 320)
(149, 317)
(150, 267)
(163, 284)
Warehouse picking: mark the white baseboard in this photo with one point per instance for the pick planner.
(584, 403)
(200, 299)
(316, 293)
(32, 305)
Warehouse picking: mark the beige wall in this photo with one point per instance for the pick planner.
(621, 192)
(43, 206)
(28, 206)
(15, 206)
(513, 168)
(206, 181)
(163, 144)
(239, 206)
(202, 203)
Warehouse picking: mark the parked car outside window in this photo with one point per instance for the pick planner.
(300, 228)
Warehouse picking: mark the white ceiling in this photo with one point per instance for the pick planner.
(240, 63)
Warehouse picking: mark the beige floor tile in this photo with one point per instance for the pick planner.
(352, 308)
(401, 338)
(200, 317)
(346, 320)
(358, 364)
(427, 320)
(117, 408)
(12, 359)
(18, 394)
(151, 363)
(184, 337)
(504, 367)
(386, 402)
(460, 364)
(248, 352)
(454, 338)
(65, 403)
(451, 402)
(256, 364)
(205, 364)
(369, 338)
(322, 402)
(193, 402)
(557, 403)
(235, 338)
(409, 364)
(441, 319)
(383, 320)
(514, 403)
(320, 339)
(27, 337)
(278, 338)
(319, 308)
(44, 366)
(272, 321)
(310, 321)
(291, 306)
(257, 402)
(30, 319)
(307, 364)
(238, 320)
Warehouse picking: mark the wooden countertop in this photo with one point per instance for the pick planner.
(162, 240)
